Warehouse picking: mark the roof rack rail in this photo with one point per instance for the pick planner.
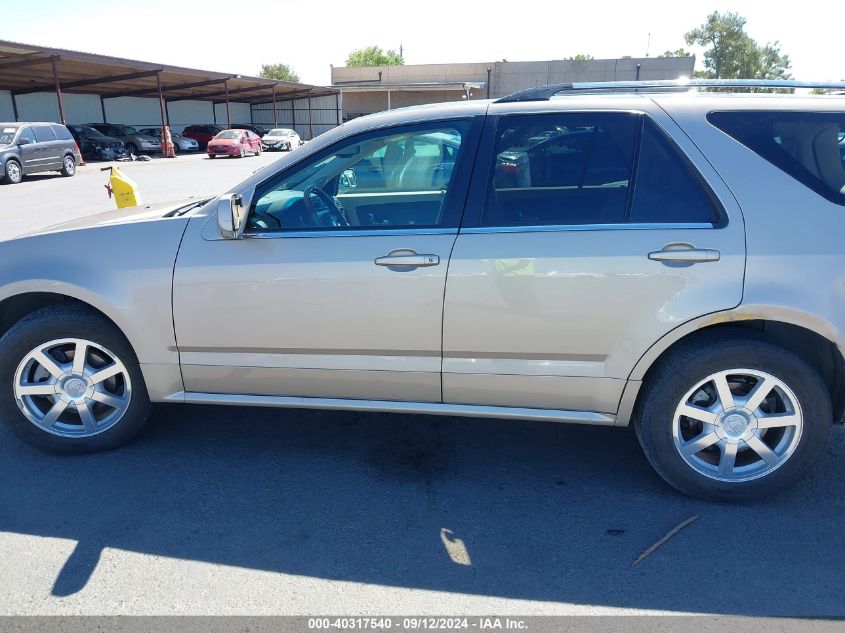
(544, 93)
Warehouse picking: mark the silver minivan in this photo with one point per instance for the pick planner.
(614, 255)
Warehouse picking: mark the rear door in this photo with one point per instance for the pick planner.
(588, 235)
(48, 154)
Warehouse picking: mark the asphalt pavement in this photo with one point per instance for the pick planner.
(217, 510)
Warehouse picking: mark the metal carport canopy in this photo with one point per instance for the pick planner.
(27, 68)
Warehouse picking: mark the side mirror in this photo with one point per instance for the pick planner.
(24, 141)
(230, 216)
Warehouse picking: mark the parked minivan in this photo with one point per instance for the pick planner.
(614, 256)
(29, 148)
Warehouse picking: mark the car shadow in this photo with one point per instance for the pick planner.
(488, 507)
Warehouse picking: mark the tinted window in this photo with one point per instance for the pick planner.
(806, 145)
(382, 180)
(43, 133)
(27, 134)
(61, 133)
(561, 169)
(665, 189)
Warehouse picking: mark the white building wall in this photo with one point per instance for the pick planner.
(240, 112)
(182, 113)
(294, 114)
(7, 111)
(43, 106)
(133, 111)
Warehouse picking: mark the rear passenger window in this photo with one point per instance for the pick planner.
(562, 169)
(666, 190)
(61, 133)
(809, 146)
(43, 133)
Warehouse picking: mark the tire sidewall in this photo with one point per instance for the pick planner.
(50, 324)
(654, 422)
(9, 179)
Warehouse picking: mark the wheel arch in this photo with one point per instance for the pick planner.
(808, 335)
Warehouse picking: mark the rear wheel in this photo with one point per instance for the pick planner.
(733, 418)
(70, 382)
(68, 166)
(14, 173)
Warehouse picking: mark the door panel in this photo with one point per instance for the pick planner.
(572, 304)
(310, 316)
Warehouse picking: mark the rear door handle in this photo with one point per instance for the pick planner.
(405, 258)
(690, 255)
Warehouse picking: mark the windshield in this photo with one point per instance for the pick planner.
(7, 135)
(127, 129)
(228, 134)
(279, 132)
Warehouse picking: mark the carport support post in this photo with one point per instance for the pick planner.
(58, 91)
(165, 150)
(310, 121)
(275, 114)
(228, 116)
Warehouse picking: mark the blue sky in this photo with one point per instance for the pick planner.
(238, 37)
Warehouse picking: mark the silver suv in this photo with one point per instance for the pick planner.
(668, 261)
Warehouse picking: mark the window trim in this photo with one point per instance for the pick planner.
(482, 179)
(454, 200)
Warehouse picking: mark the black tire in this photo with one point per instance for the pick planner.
(68, 166)
(72, 321)
(687, 365)
(132, 148)
(17, 173)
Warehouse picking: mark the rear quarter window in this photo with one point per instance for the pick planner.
(808, 146)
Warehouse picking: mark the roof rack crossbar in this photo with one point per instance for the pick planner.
(544, 93)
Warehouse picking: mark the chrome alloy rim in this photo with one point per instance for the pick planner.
(70, 165)
(72, 387)
(13, 171)
(737, 425)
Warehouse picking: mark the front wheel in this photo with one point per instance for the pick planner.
(70, 382)
(733, 417)
(132, 148)
(14, 173)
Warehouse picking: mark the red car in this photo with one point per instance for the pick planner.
(202, 134)
(234, 143)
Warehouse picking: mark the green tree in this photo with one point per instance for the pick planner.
(730, 53)
(374, 56)
(681, 52)
(282, 72)
(581, 57)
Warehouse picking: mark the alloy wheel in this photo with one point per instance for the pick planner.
(737, 425)
(13, 171)
(72, 387)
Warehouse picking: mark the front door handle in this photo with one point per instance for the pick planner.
(685, 255)
(409, 259)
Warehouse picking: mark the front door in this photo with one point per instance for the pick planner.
(336, 288)
(591, 237)
(30, 152)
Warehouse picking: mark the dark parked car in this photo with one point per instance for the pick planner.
(136, 143)
(95, 145)
(249, 126)
(202, 134)
(29, 148)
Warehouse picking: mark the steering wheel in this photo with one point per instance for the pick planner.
(333, 207)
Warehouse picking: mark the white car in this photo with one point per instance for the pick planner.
(281, 139)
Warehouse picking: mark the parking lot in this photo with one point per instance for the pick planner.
(261, 511)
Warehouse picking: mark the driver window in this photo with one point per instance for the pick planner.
(388, 179)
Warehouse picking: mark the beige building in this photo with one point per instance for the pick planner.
(376, 88)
